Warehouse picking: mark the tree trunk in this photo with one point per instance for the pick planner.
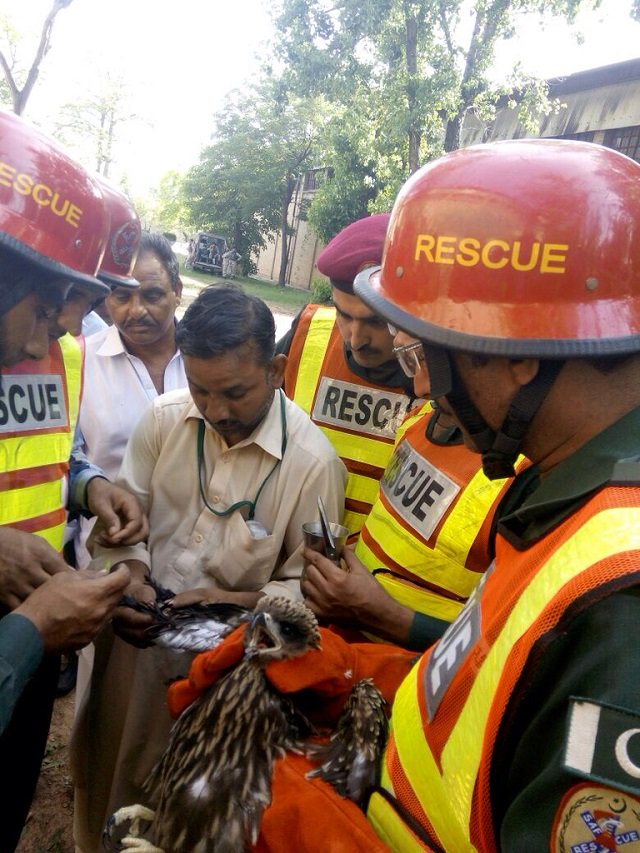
(411, 49)
(452, 133)
(21, 96)
(239, 247)
(284, 230)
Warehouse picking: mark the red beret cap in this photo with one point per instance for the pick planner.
(357, 246)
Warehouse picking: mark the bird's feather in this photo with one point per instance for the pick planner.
(194, 628)
(350, 762)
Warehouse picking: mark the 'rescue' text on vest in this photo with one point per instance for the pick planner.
(417, 490)
(361, 409)
(32, 401)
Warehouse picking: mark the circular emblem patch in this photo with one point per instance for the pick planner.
(596, 819)
(123, 244)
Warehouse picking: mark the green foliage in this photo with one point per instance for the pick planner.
(265, 140)
(89, 128)
(370, 89)
(400, 76)
(170, 209)
(321, 291)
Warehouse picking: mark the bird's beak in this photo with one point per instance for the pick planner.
(262, 637)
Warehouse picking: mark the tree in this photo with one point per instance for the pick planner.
(426, 60)
(8, 58)
(400, 76)
(263, 143)
(170, 209)
(94, 122)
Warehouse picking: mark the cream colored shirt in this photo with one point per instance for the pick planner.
(191, 547)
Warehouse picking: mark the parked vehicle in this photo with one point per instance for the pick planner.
(206, 253)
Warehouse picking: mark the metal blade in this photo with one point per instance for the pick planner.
(329, 543)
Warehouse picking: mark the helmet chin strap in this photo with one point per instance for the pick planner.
(499, 448)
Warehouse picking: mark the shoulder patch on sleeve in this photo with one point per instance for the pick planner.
(603, 744)
(596, 819)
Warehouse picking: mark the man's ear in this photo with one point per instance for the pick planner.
(524, 369)
(276, 370)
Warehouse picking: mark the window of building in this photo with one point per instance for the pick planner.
(315, 178)
(626, 140)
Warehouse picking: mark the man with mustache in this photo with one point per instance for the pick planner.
(342, 371)
(130, 363)
(229, 470)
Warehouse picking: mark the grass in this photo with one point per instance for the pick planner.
(286, 299)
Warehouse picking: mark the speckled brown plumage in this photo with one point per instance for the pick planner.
(214, 780)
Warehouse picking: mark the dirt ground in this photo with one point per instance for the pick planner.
(49, 827)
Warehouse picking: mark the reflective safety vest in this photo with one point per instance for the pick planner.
(39, 403)
(430, 524)
(358, 417)
(435, 789)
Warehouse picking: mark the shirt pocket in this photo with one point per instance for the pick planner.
(242, 563)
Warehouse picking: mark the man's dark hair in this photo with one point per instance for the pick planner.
(19, 277)
(153, 241)
(222, 318)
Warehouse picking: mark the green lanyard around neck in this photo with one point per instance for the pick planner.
(246, 503)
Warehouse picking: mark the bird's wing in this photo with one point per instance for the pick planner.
(198, 627)
(195, 628)
(350, 762)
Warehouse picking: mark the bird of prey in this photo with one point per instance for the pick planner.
(195, 628)
(213, 781)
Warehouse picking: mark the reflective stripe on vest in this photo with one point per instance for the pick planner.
(358, 418)
(313, 353)
(430, 558)
(445, 793)
(388, 824)
(36, 445)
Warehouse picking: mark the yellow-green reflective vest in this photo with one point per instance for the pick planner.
(39, 403)
(359, 418)
(448, 711)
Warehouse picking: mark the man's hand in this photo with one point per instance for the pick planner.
(121, 519)
(353, 598)
(71, 607)
(129, 624)
(26, 562)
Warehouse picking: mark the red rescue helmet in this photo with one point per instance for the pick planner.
(124, 238)
(51, 211)
(518, 248)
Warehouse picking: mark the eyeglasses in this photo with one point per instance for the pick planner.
(411, 358)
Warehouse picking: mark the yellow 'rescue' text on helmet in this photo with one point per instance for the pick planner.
(494, 254)
(42, 194)
(522, 248)
(52, 212)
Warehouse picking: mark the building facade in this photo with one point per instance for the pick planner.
(600, 105)
(305, 246)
